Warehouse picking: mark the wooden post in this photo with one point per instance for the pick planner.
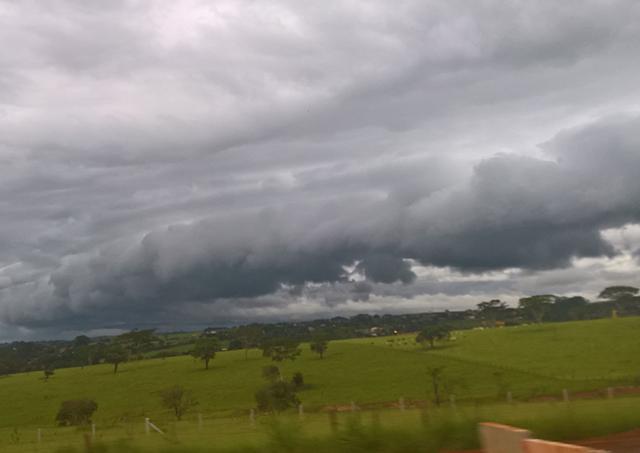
(565, 395)
(39, 435)
(93, 431)
(252, 417)
(353, 406)
(610, 393)
(452, 401)
(146, 425)
(300, 411)
(401, 404)
(509, 398)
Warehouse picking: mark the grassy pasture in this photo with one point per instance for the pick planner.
(480, 366)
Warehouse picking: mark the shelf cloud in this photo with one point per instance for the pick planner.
(196, 163)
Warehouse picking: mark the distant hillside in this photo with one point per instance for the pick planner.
(529, 361)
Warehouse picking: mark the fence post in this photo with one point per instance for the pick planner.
(401, 403)
(610, 393)
(93, 431)
(565, 395)
(353, 406)
(252, 417)
(300, 411)
(149, 425)
(452, 401)
(39, 435)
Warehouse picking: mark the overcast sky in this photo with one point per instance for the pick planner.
(185, 163)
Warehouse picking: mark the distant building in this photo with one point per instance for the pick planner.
(376, 331)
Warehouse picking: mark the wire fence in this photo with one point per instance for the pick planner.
(250, 427)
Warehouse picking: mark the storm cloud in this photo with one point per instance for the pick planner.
(222, 162)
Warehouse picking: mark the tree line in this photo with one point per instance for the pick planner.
(283, 339)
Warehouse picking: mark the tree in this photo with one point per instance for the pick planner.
(249, 336)
(537, 306)
(137, 341)
(271, 373)
(319, 346)
(281, 349)
(492, 310)
(83, 354)
(116, 354)
(276, 397)
(205, 350)
(48, 372)
(297, 380)
(567, 309)
(81, 340)
(624, 298)
(76, 412)
(178, 400)
(431, 333)
(615, 293)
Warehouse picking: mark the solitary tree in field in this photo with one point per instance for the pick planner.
(178, 400)
(205, 350)
(116, 354)
(297, 380)
(537, 306)
(429, 334)
(319, 346)
(48, 372)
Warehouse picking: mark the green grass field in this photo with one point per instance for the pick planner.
(480, 367)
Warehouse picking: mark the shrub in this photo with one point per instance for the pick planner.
(271, 373)
(76, 412)
(276, 397)
(48, 372)
(297, 380)
(178, 400)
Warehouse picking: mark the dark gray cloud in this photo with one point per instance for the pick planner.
(267, 160)
(386, 269)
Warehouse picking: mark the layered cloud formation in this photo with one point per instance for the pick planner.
(201, 163)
